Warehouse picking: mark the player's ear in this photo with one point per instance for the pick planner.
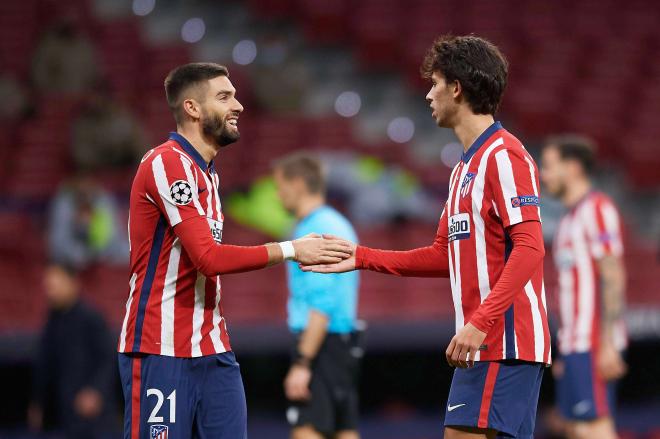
(458, 89)
(192, 108)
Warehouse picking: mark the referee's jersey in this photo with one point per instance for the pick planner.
(335, 295)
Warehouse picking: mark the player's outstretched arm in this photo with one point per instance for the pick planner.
(212, 259)
(430, 261)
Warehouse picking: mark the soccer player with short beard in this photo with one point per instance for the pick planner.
(179, 375)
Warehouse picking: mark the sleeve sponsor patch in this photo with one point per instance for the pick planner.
(181, 192)
(524, 200)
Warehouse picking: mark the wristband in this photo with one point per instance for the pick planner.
(288, 251)
(300, 360)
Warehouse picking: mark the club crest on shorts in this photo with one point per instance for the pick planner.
(158, 431)
(181, 192)
(466, 185)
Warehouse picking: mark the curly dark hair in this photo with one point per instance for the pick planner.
(476, 63)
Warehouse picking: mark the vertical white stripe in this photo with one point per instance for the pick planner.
(218, 346)
(585, 287)
(508, 185)
(216, 194)
(539, 341)
(209, 196)
(564, 269)
(479, 225)
(129, 301)
(613, 228)
(532, 174)
(458, 304)
(187, 168)
(167, 301)
(164, 190)
(198, 315)
(457, 291)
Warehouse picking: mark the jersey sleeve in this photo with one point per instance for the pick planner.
(513, 180)
(430, 261)
(173, 187)
(604, 230)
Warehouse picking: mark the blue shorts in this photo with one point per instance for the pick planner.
(500, 395)
(177, 398)
(581, 394)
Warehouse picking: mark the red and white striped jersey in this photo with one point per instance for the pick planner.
(586, 233)
(494, 186)
(172, 308)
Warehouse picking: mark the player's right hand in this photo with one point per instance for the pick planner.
(342, 266)
(325, 250)
(610, 363)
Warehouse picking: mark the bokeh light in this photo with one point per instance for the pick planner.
(143, 7)
(401, 129)
(451, 154)
(245, 52)
(193, 30)
(348, 104)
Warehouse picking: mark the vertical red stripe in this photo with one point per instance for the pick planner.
(136, 393)
(489, 387)
(206, 345)
(184, 303)
(576, 306)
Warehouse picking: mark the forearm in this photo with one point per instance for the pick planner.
(612, 280)
(525, 259)
(212, 259)
(313, 336)
(431, 261)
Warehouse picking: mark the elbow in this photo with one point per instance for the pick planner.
(203, 265)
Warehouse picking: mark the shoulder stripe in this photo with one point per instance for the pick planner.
(164, 190)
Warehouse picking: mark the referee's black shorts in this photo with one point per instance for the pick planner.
(334, 403)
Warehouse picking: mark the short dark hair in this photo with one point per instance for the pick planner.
(575, 147)
(301, 165)
(476, 63)
(189, 75)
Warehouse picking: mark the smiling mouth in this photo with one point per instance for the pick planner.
(233, 122)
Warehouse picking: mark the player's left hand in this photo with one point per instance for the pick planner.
(464, 346)
(296, 384)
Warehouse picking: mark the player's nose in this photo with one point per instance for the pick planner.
(237, 106)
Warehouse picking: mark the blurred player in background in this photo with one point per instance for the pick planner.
(489, 243)
(74, 375)
(179, 376)
(322, 309)
(588, 253)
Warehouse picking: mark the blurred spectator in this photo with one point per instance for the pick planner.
(13, 99)
(84, 226)
(64, 60)
(75, 369)
(105, 134)
(377, 193)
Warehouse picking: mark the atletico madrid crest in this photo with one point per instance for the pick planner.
(158, 431)
(467, 183)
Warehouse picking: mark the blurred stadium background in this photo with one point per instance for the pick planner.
(341, 78)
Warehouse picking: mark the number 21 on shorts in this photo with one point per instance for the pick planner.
(160, 399)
